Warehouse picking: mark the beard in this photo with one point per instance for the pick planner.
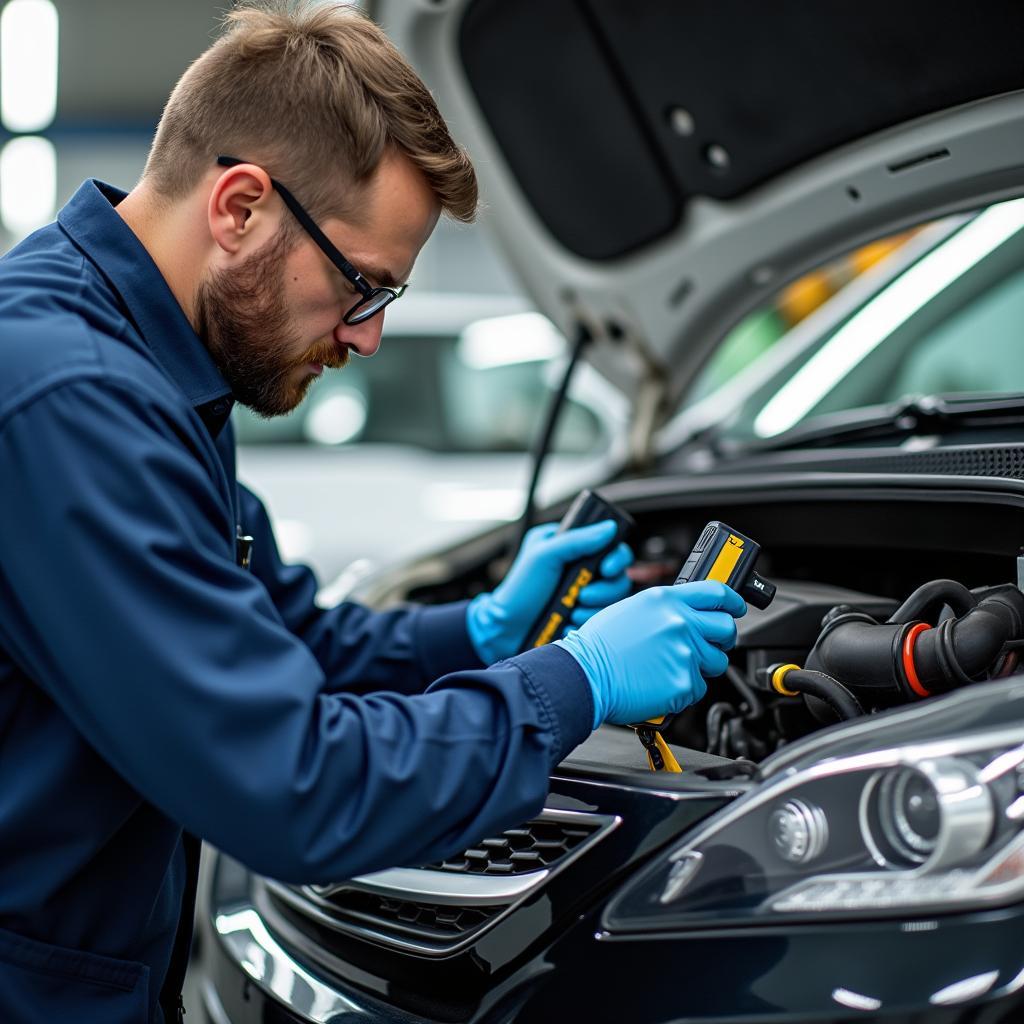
(242, 318)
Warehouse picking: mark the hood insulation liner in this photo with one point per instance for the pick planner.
(612, 113)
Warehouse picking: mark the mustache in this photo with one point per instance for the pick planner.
(328, 355)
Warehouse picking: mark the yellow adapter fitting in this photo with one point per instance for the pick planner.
(777, 680)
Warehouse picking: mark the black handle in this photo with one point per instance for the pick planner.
(588, 508)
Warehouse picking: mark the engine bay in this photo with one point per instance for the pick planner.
(822, 654)
(887, 594)
(855, 627)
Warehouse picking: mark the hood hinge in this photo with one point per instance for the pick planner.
(648, 415)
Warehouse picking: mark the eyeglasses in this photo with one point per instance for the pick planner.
(373, 299)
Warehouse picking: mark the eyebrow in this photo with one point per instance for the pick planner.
(380, 276)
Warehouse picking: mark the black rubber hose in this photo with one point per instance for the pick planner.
(960, 651)
(869, 658)
(826, 689)
(945, 651)
(926, 602)
(748, 694)
(717, 713)
(862, 654)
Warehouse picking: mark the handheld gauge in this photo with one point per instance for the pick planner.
(724, 554)
(588, 508)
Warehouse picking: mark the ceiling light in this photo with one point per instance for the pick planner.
(28, 184)
(28, 65)
(505, 340)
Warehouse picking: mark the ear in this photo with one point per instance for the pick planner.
(241, 213)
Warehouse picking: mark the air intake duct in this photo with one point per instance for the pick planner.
(918, 652)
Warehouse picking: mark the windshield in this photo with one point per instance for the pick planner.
(937, 310)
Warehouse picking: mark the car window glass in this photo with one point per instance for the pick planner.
(939, 312)
(758, 332)
(977, 347)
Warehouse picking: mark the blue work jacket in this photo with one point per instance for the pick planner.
(149, 683)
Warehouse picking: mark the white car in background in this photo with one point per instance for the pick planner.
(426, 443)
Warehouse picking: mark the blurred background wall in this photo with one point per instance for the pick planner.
(91, 113)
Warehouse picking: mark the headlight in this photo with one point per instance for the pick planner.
(934, 814)
(934, 825)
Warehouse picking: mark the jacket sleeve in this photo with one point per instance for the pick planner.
(123, 602)
(359, 650)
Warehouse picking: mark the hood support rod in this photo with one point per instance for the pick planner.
(583, 338)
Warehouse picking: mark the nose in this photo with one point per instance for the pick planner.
(362, 338)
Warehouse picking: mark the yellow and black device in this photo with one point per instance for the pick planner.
(588, 508)
(724, 554)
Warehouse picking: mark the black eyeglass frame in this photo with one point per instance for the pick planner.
(386, 295)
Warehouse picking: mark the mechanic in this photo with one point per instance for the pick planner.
(162, 669)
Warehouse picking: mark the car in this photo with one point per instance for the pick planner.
(427, 445)
(845, 838)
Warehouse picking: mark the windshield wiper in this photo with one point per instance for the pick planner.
(919, 416)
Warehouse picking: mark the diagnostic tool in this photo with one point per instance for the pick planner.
(588, 508)
(724, 554)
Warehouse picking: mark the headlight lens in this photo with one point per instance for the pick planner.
(936, 814)
(904, 807)
(938, 825)
(798, 831)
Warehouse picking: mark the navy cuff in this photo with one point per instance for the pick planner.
(564, 693)
(442, 641)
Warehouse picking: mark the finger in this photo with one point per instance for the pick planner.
(617, 561)
(690, 694)
(537, 534)
(604, 592)
(710, 595)
(580, 615)
(717, 627)
(713, 662)
(584, 540)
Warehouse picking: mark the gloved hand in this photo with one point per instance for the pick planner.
(497, 622)
(648, 655)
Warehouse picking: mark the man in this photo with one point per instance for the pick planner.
(160, 670)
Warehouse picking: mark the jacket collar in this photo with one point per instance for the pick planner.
(91, 221)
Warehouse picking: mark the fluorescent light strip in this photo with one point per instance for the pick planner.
(28, 65)
(894, 306)
(28, 184)
(504, 340)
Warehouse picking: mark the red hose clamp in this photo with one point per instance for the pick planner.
(908, 658)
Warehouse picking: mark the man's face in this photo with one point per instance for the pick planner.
(273, 320)
(242, 315)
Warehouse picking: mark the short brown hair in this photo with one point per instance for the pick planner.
(315, 93)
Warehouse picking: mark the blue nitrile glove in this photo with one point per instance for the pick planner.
(497, 622)
(648, 655)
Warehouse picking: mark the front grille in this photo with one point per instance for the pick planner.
(540, 843)
(424, 920)
(437, 907)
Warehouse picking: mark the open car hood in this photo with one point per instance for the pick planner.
(655, 170)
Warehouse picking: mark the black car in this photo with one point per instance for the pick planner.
(846, 838)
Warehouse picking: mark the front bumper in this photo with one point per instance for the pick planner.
(548, 957)
(956, 969)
